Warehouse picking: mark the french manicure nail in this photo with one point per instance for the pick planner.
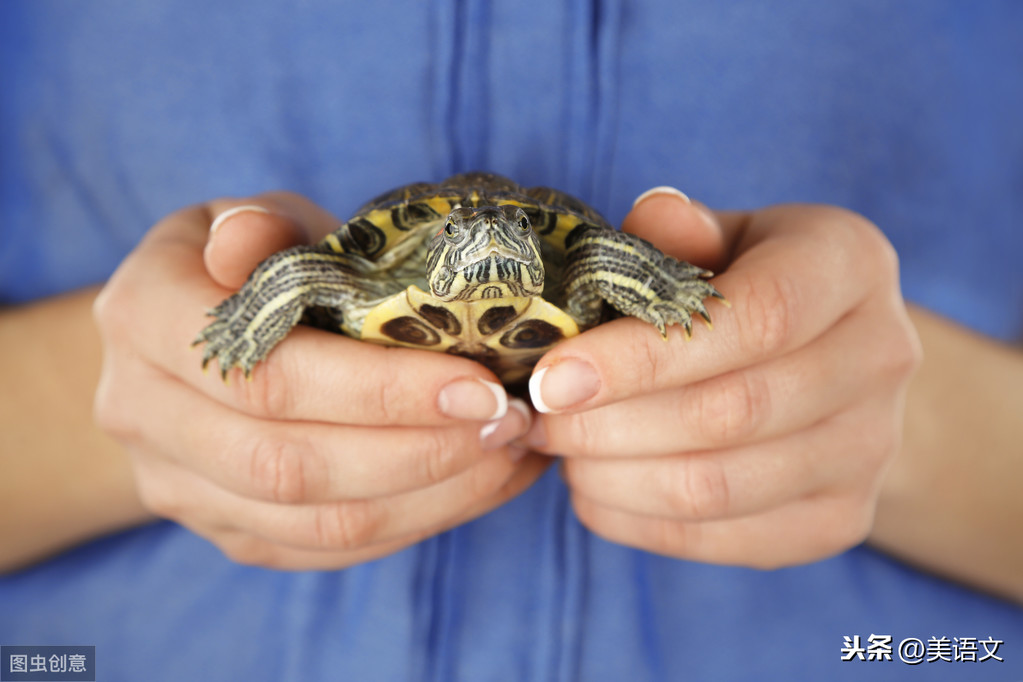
(663, 189)
(232, 212)
(522, 408)
(513, 425)
(534, 391)
(562, 385)
(488, 430)
(473, 398)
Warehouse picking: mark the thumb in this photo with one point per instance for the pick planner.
(244, 232)
(682, 228)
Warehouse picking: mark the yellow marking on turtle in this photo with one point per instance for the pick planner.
(515, 202)
(628, 249)
(563, 226)
(523, 326)
(507, 332)
(441, 205)
(381, 217)
(334, 243)
(291, 260)
(283, 298)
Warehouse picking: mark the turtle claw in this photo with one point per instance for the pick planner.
(666, 314)
(229, 340)
(651, 286)
(686, 303)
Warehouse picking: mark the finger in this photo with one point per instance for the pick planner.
(751, 405)
(834, 455)
(313, 375)
(174, 492)
(801, 532)
(679, 227)
(796, 273)
(250, 549)
(305, 462)
(244, 232)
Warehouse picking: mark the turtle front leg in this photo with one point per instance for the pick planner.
(251, 322)
(636, 279)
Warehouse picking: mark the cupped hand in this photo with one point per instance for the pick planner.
(761, 442)
(334, 452)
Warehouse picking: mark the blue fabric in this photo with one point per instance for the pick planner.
(116, 113)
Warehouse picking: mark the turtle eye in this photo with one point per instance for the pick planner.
(449, 229)
(524, 224)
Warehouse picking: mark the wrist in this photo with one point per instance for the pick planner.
(64, 480)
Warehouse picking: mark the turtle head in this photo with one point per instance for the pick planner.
(487, 252)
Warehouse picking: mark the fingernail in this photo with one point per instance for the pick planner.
(487, 431)
(232, 212)
(563, 385)
(707, 215)
(663, 189)
(512, 426)
(473, 398)
(519, 405)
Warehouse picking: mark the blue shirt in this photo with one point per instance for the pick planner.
(114, 114)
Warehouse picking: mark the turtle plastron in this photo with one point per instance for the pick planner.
(507, 335)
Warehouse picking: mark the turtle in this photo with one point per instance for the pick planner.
(475, 266)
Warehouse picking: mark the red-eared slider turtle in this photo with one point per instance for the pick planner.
(474, 265)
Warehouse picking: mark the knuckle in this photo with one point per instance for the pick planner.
(904, 352)
(278, 469)
(643, 370)
(104, 306)
(867, 252)
(109, 413)
(345, 525)
(874, 247)
(386, 397)
(583, 437)
(732, 408)
(699, 490)
(437, 456)
(266, 392)
(376, 397)
(884, 254)
(768, 317)
(679, 539)
(111, 310)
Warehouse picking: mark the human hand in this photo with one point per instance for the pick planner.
(763, 442)
(335, 452)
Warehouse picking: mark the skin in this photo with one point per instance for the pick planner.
(782, 420)
(775, 439)
(340, 468)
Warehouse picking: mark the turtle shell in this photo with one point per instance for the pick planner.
(370, 279)
(508, 334)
